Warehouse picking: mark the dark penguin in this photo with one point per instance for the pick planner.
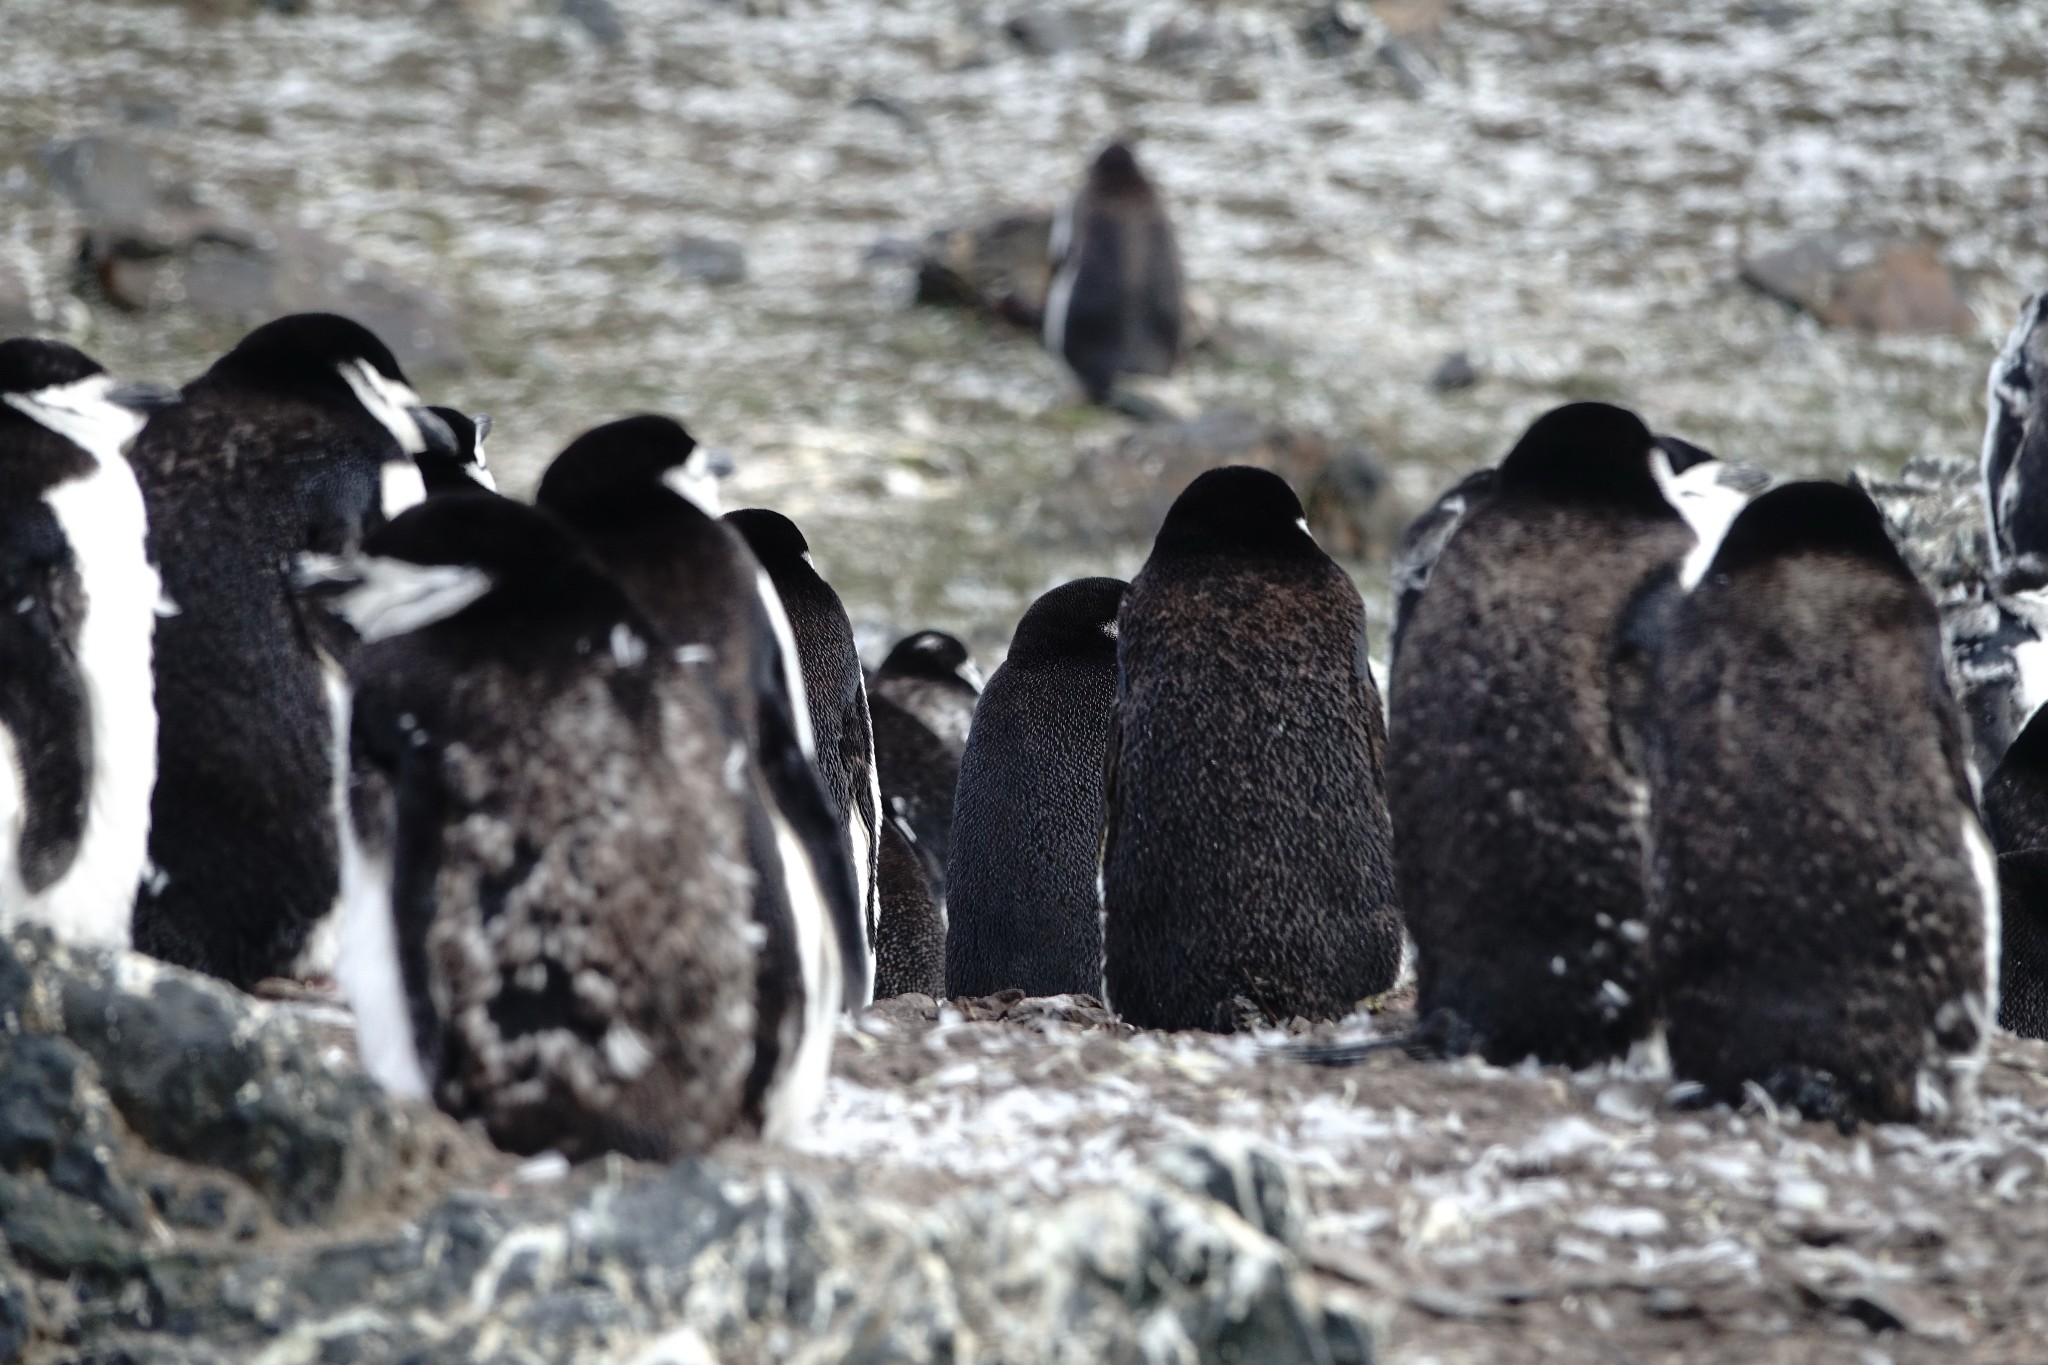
(2015, 458)
(2015, 800)
(77, 722)
(643, 496)
(300, 439)
(1422, 544)
(1519, 823)
(2023, 943)
(1023, 909)
(1825, 915)
(548, 921)
(910, 941)
(917, 773)
(464, 469)
(1247, 863)
(932, 676)
(833, 687)
(1115, 303)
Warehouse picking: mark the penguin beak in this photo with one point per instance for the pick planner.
(143, 396)
(434, 432)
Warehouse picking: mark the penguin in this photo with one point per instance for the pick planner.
(465, 469)
(1422, 544)
(300, 439)
(1023, 907)
(2023, 943)
(1825, 908)
(917, 774)
(910, 939)
(1247, 862)
(548, 922)
(1114, 306)
(643, 497)
(932, 675)
(833, 686)
(77, 720)
(1517, 794)
(2015, 453)
(2015, 796)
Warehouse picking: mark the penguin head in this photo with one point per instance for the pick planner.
(1077, 618)
(774, 538)
(617, 468)
(1682, 454)
(336, 363)
(465, 468)
(1586, 453)
(933, 656)
(1116, 172)
(1809, 518)
(1237, 510)
(63, 390)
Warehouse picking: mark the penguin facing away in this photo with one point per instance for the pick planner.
(1517, 797)
(833, 686)
(643, 496)
(465, 468)
(77, 719)
(2023, 943)
(549, 916)
(1826, 915)
(932, 675)
(1114, 306)
(1422, 544)
(1023, 908)
(1247, 867)
(2015, 454)
(301, 439)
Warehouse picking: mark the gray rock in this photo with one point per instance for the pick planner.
(1455, 371)
(1000, 264)
(598, 18)
(708, 259)
(1864, 280)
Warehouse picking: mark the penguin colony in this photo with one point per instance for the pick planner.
(589, 810)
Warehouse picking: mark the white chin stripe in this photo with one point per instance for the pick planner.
(387, 401)
(480, 474)
(397, 596)
(1708, 506)
(81, 414)
(693, 479)
(401, 485)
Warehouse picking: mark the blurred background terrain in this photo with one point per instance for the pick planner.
(1791, 232)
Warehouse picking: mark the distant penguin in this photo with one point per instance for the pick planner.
(300, 439)
(1114, 306)
(465, 468)
(2015, 455)
(643, 495)
(932, 676)
(77, 720)
(2023, 943)
(910, 940)
(1825, 919)
(917, 773)
(1518, 818)
(1422, 544)
(549, 916)
(833, 684)
(1023, 907)
(1247, 865)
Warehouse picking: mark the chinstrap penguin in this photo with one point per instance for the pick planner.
(77, 718)
(1519, 818)
(1114, 307)
(465, 468)
(932, 675)
(301, 439)
(1247, 865)
(1825, 915)
(1023, 907)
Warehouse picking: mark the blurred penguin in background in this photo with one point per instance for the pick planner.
(1115, 305)
(932, 676)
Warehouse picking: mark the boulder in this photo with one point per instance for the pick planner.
(708, 259)
(1000, 264)
(1864, 280)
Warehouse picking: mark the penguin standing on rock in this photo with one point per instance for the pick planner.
(300, 440)
(833, 686)
(549, 923)
(1247, 865)
(932, 676)
(643, 496)
(1023, 909)
(1826, 915)
(1114, 307)
(1518, 814)
(77, 721)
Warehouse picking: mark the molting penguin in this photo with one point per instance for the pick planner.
(1825, 919)
(463, 470)
(932, 676)
(300, 439)
(643, 495)
(549, 913)
(2015, 455)
(77, 721)
(1023, 905)
(1247, 865)
(833, 686)
(1520, 824)
(1114, 306)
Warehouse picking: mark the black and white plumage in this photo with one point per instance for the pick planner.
(549, 905)
(917, 774)
(834, 688)
(77, 720)
(643, 496)
(1825, 917)
(1114, 306)
(1519, 818)
(1247, 866)
(301, 439)
(1023, 907)
(464, 468)
(2015, 456)
(932, 675)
